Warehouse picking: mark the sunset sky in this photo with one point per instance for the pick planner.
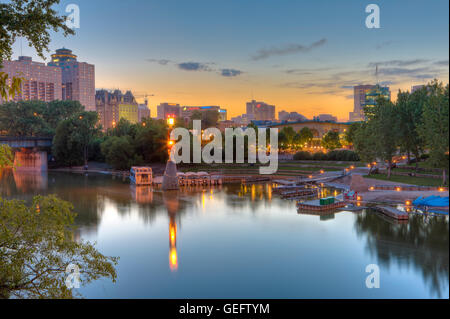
(302, 56)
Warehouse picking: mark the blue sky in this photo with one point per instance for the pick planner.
(299, 55)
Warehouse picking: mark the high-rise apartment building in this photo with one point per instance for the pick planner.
(78, 78)
(165, 110)
(366, 95)
(39, 82)
(261, 111)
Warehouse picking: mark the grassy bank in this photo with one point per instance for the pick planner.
(420, 181)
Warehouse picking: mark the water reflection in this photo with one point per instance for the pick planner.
(421, 243)
(107, 205)
(171, 202)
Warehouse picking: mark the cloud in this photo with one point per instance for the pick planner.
(397, 63)
(383, 44)
(288, 49)
(402, 71)
(193, 66)
(441, 63)
(230, 72)
(159, 61)
(306, 71)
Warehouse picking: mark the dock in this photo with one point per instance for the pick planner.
(281, 189)
(392, 212)
(301, 192)
(316, 207)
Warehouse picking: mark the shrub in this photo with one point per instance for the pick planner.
(343, 155)
(302, 155)
(320, 156)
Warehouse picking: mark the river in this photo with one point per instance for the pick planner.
(237, 241)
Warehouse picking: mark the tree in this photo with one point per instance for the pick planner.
(57, 111)
(349, 134)
(410, 108)
(434, 129)
(331, 141)
(151, 141)
(305, 135)
(383, 125)
(32, 20)
(36, 118)
(119, 152)
(6, 156)
(123, 128)
(36, 246)
(24, 118)
(73, 137)
(364, 143)
(288, 133)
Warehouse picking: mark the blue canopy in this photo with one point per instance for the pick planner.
(432, 201)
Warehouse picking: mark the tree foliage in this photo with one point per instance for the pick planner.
(6, 156)
(415, 124)
(73, 137)
(35, 118)
(434, 129)
(36, 246)
(331, 141)
(130, 144)
(32, 20)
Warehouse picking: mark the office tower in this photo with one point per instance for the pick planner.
(359, 96)
(165, 110)
(366, 95)
(40, 82)
(375, 93)
(78, 78)
(261, 111)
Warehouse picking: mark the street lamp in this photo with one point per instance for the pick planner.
(170, 178)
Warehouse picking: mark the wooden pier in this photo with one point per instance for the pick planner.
(393, 212)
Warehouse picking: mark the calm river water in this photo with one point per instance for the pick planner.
(242, 242)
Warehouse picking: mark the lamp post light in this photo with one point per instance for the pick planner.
(170, 178)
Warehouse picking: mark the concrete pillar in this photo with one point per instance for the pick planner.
(170, 178)
(30, 160)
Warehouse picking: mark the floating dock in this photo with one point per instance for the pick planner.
(392, 212)
(301, 192)
(316, 207)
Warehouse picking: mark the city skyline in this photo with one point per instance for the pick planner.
(307, 63)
